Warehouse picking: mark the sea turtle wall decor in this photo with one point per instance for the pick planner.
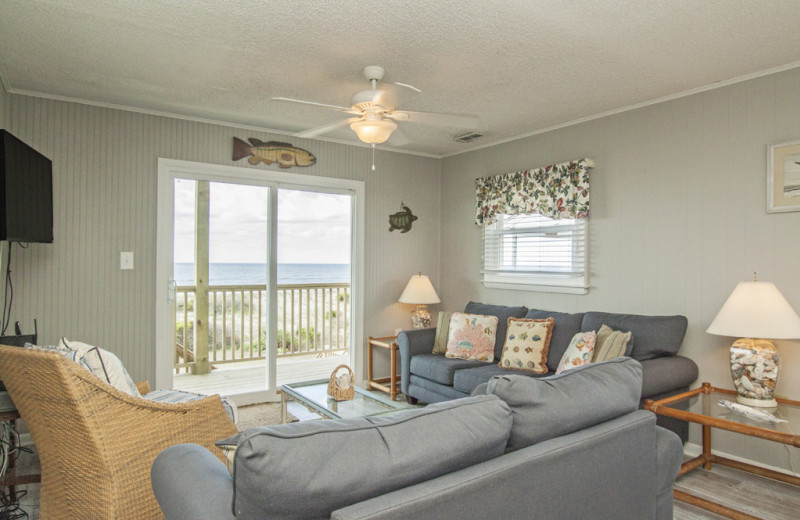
(402, 219)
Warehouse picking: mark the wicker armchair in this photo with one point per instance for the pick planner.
(96, 444)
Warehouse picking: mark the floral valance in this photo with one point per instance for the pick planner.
(557, 191)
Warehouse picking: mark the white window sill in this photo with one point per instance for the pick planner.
(537, 285)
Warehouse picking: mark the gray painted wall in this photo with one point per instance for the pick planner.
(678, 217)
(104, 177)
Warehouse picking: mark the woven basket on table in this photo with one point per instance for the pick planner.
(341, 394)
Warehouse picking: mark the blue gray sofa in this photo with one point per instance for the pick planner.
(572, 446)
(656, 340)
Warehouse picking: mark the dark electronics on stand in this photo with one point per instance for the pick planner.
(26, 192)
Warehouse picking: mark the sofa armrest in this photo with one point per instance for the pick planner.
(412, 343)
(669, 454)
(665, 374)
(190, 483)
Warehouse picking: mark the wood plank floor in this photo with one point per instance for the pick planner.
(757, 496)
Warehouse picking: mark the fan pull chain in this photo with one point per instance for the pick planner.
(373, 156)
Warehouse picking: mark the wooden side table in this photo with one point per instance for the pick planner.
(11, 479)
(389, 343)
(701, 406)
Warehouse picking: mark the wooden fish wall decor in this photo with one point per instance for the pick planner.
(284, 154)
(402, 219)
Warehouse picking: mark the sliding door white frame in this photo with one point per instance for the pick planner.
(168, 171)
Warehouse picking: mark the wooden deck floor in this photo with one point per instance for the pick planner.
(250, 376)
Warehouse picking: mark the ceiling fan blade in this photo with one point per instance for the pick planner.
(398, 115)
(313, 103)
(313, 132)
(436, 118)
(406, 85)
(399, 138)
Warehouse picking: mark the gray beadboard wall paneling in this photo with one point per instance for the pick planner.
(3, 105)
(678, 218)
(104, 175)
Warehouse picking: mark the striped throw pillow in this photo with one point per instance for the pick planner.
(610, 344)
(442, 333)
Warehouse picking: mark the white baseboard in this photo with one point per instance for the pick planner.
(693, 450)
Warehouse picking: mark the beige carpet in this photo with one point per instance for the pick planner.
(263, 414)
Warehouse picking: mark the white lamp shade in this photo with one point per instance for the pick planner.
(419, 291)
(756, 310)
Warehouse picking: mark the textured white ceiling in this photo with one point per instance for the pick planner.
(520, 66)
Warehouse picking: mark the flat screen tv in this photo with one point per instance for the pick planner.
(26, 192)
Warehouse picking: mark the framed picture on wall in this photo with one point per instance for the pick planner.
(783, 177)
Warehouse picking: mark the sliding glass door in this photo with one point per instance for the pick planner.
(257, 279)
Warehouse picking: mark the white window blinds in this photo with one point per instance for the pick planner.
(533, 250)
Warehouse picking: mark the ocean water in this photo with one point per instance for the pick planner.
(252, 274)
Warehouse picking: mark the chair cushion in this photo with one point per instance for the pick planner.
(105, 365)
(503, 312)
(312, 468)
(565, 327)
(653, 336)
(467, 379)
(439, 369)
(549, 407)
(180, 396)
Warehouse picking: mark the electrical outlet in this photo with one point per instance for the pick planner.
(126, 260)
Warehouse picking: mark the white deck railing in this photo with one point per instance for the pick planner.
(312, 319)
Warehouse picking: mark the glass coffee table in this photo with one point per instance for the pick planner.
(314, 396)
(701, 406)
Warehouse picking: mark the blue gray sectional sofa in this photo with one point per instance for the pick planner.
(573, 446)
(656, 340)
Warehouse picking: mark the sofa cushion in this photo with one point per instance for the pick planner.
(309, 469)
(548, 407)
(565, 327)
(467, 379)
(503, 312)
(472, 336)
(664, 375)
(653, 336)
(440, 369)
(526, 345)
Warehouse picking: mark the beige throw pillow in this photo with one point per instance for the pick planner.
(526, 346)
(442, 333)
(610, 344)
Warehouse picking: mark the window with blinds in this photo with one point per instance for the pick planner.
(533, 252)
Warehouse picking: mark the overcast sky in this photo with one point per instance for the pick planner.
(313, 228)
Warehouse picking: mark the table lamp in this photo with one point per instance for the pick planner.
(756, 310)
(420, 292)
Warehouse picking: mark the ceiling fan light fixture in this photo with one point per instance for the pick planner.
(373, 131)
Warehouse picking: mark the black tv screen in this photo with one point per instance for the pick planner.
(26, 192)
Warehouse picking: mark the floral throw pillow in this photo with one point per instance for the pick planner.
(471, 336)
(526, 346)
(579, 352)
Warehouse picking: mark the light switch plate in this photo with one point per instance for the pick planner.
(126, 260)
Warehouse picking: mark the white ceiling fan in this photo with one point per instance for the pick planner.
(375, 113)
